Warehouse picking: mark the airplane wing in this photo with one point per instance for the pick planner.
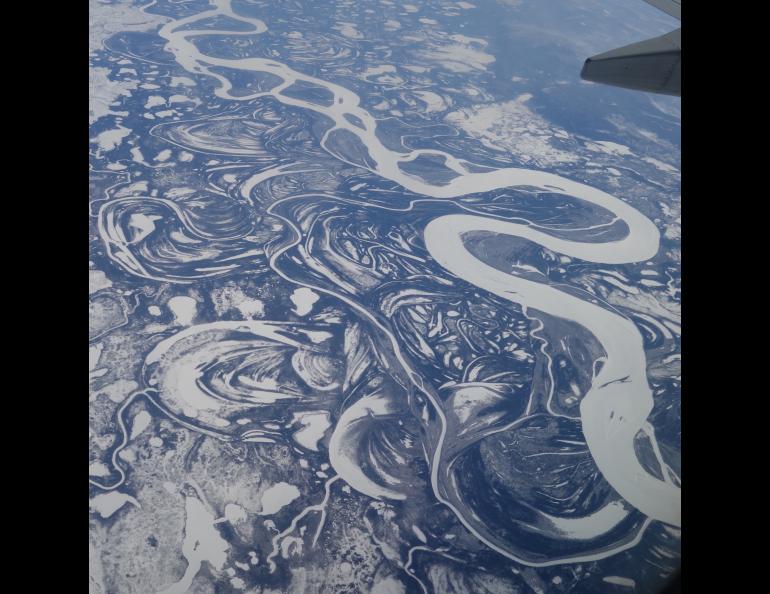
(670, 7)
(653, 65)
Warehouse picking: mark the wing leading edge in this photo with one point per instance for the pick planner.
(653, 65)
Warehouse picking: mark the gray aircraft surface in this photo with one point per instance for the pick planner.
(653, 65)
